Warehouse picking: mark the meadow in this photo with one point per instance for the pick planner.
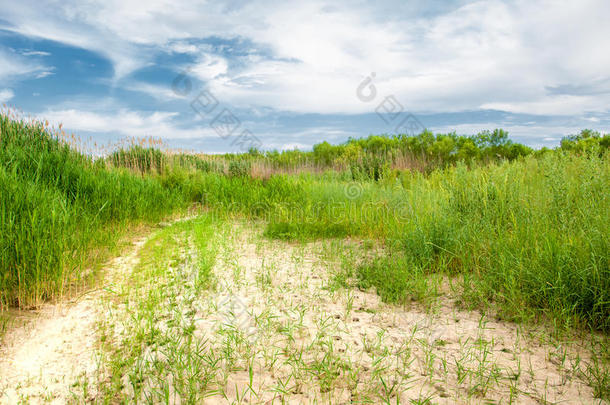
(523, 230)
(517, 234)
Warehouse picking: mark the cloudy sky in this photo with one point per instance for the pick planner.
(291, 74)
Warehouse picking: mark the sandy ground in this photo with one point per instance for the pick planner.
(310, 344)
(41, 361)
(279, 333)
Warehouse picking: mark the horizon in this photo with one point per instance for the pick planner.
(291, 76)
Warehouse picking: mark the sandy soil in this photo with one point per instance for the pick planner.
(279, 332)
(310, 344)
(41, 361)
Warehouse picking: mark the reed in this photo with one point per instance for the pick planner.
(58, 207)
(523, 231)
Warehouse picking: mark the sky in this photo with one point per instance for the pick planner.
(223, 76)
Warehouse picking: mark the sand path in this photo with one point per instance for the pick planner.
(41, 361)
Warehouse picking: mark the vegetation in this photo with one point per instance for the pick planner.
(368, 158)
(58, 207)
(529, 235)
(523, 230)
(144, 160)
(160, 323)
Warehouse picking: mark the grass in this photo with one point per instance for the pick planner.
(525, 234)
(152, 353)
(168, 338)
(528, 236)
(60, 209)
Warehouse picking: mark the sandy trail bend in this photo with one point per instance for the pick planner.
(41, 361)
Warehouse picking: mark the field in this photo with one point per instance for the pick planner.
(390, 269)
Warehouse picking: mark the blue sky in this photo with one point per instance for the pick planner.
(289, 73)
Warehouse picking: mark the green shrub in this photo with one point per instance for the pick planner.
(239, 169)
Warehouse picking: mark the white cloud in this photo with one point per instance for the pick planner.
(294, 145)
(35, 53)
(183, 47)
(15, 66)
(555, 105)
(126, 123)
(44, 74)
(490, 54)
(482, 54)
(209, 67)
(6, 95)
(161, 93)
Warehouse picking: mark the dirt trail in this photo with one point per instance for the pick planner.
(275, 329)
(40, 362)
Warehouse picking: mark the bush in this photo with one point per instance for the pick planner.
(239, 169)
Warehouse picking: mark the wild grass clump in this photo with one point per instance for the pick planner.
(143, 160)
(239, 169)
(194, 162)
(57, 207)
(305, 231)
(530, 236)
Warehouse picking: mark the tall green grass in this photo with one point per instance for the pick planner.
(138, 158)
(530, 236)
(57, 206)
(527, 234)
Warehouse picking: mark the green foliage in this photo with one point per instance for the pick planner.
(143, 160)
(525, 231)
(239, 169)
(54, 205)
(192, 162)
(587, 141)
(368, 157)
(432, 150)
(530, 237)
(370, 167)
